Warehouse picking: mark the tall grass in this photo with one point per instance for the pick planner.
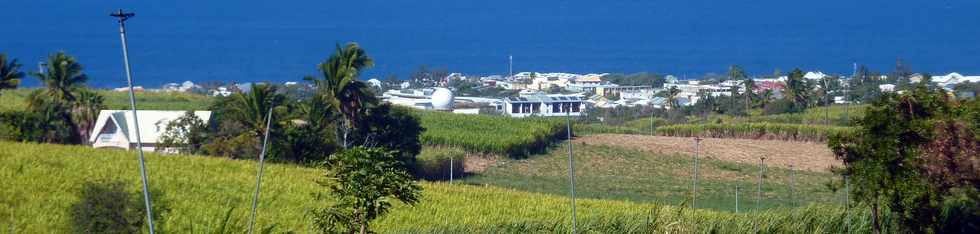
(768, 131)
(839, 115)
(514, 137)
(17, 100)
(211, 195)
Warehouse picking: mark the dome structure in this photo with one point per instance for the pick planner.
(442, 99)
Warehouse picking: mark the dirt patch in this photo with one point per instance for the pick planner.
(476, 163)
(784, 154)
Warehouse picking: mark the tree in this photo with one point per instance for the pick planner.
(392, 128)
(749, 85)
(736, 73)
(797, 90)
(364, 181)
(86, 110)
(340, 88)
(58, 127)
(916, 154)
(63, 77)
(251, 109)
(184, 135)
(9, 76)
(671, 95)
(767, 96)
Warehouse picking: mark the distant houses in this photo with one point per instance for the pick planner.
(117, 128)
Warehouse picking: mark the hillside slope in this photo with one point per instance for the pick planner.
(39, 182)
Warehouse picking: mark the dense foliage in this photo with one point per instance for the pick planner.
(9, 73)
(917, 155)
(364, 182)
(107, 207)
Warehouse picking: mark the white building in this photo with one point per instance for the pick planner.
(374, 82)
(952, 79)
(814, 75)
(221, 91)
(117, 129)
(544, 105)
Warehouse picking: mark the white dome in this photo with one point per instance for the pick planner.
(442, 99)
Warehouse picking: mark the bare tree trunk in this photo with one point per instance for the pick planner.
(363, 223)
(875, 221)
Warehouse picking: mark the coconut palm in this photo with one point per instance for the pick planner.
(339, 87)
(86, 110)
(766, 97)
(63, 77)
(797, 90)
(749, 85)
(251, 108)
(9, 76)
(671, 96)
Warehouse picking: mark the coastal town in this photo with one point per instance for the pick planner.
(535, 94)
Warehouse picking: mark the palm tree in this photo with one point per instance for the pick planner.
(63, 77)
(749, 85)
(735, 73)
(671, 96)
(9, 76)
(340, 89)
(797, 89)
(86, 111)
(251, 108)
(766, 97)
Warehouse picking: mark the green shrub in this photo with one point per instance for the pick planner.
(434, 163)
(106, 207)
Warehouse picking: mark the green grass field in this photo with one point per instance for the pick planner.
(40, 182)
(515, 137)
(607, 172)
(16, 100)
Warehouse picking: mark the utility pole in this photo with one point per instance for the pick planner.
(792, 186)
(694, 189)
(510, 70)
(571, 165)
(736, 196)
(826, 100)
(258, 178)
(847, 99)
(450, 169)
(762, 168)
(847, 189)
(122, 17)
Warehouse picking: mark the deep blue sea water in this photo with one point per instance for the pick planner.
(202, 40)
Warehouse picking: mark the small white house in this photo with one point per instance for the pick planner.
(116, 128)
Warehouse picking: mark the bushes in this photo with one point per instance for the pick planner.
(106, 207)
(792, 132)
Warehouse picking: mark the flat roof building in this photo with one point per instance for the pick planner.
(543, 105)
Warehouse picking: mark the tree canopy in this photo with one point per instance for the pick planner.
(917, 155)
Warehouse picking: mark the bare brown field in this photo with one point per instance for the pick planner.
(783, 154)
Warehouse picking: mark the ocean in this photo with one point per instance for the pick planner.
(277, 41)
